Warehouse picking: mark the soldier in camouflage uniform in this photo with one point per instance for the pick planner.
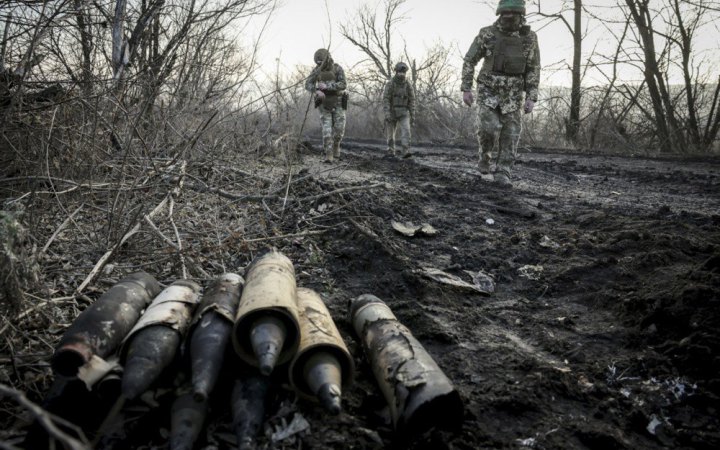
(327, 81)
(511, 68)
(399, 109)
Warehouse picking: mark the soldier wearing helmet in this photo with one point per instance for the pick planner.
(509, 73)
(399, 109)
(327, 82)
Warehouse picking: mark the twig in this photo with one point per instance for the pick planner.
(60, 228)
(273, 238)
(177, 236)
(104, 258)
(166, 239)
(48, 421)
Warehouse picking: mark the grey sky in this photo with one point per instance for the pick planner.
(298, 27)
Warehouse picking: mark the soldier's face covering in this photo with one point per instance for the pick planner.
(510, 21)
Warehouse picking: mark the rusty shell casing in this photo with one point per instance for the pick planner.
(187, 417)
(100, 329)
(154, 341)
(318, 335)
(419, 394)
(268, 295)
(249, 400)
(210, 332)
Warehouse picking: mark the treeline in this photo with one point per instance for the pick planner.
(84, 81)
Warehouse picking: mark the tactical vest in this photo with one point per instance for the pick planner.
(331, 97)
(507, 57)
(400, 98)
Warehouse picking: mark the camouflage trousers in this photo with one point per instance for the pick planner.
(391, 127)
(333, 130)
(498, 136)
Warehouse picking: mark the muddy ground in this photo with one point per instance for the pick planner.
(602, 332)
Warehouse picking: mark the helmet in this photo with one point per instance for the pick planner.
(517, 6)
(401, 67)
(321, 55)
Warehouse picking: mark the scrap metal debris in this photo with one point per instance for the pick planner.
(409, 229)
(481, 282)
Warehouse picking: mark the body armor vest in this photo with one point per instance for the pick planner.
(331, 97)
(508, 57)
(400, 95)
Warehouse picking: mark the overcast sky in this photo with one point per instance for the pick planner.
(298, 27)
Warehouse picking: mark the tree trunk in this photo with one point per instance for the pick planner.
(573, 123)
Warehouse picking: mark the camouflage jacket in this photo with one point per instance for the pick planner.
(496, 89)
(333, 86)
(398, 99)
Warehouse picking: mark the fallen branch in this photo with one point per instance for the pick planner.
(104, 258)
(48, 421)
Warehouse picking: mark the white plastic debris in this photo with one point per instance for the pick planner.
(297, 425)
(529, 442)
(409, 229)
(654, 423)
(481, 284)
(490, 221)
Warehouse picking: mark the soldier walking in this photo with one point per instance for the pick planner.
(327, 82)
(399, 109)
(510, 70)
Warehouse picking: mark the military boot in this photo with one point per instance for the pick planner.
(328, 154)
(502, 179)
(484, 167)
(336, 149)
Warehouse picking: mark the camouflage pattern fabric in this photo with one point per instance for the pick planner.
(398, 98)
(333, 130)
(332, 116)
(391, 126)
(339, 85)
(498, 136)
(496, 89)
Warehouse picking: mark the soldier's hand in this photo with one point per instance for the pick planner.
(468, 98)
(321, 86)
(319, 94)
(529, 105)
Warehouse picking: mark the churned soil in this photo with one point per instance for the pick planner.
(602, 331)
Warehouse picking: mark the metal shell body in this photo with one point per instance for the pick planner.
(249, 399)
(269, 291)
(154, 341)
(318, 334)
(419, 394)
(173, 308)
(100, 329)
(210, 332)
(186, 421)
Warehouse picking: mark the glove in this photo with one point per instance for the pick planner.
(468, 98)
(529, 105)
(319, 95)
(322, 86)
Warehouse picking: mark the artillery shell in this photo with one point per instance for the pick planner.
(150, 352)
(249, 399)
(210, 332)
(154, 341)
(267, 316)
(322, 366)
(187, 419)
(101, 328)
(414, 386)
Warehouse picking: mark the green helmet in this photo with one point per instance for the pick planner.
(517, 6)
(321, 55)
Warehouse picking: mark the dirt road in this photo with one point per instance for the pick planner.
(603, 329)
